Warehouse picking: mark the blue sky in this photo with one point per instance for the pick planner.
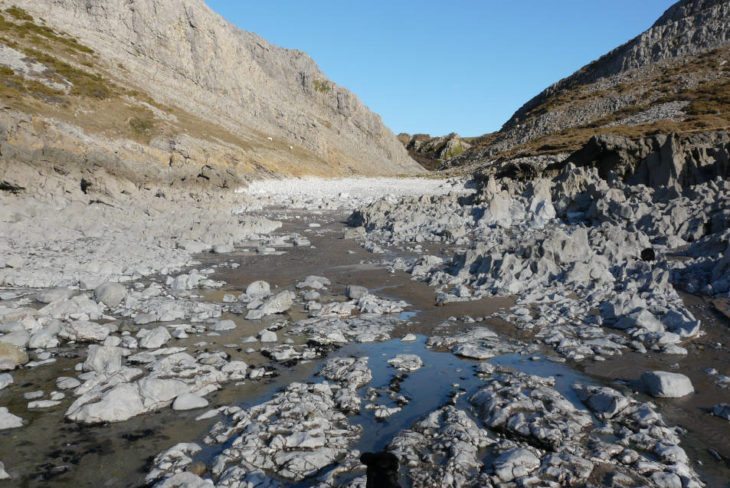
(442, 66)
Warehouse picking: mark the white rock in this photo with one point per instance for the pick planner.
(55, 295)
(155, 338)
(409, 338)
(8, 420)
(103, 359)
(279, 303)
(258, 290)
(67, 383)
(314, 282)
(85, 331)
(110, 294)
(41, 404)
(267, 336)
(5, 380)
(406, 362)
(118, 404)
(663, 384)
(189, 401)
(223, 325)
(515, 463)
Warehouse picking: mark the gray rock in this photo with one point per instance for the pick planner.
(223, 325)
(314, 282)
(279, 303)
(110, 294)
(355, 292)
(722, 410)
(258, 290)
(103, 359)
(54, 295)
(515, 463)
(155, 338)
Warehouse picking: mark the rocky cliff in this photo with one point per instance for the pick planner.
(170, 90)
(672, 78)
(430, 151)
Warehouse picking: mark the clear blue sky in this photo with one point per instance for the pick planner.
(442, 66)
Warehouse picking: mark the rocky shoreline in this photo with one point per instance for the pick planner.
(275, 341)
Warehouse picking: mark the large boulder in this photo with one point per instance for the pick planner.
(110, 294)
(662, 384)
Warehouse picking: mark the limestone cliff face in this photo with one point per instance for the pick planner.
(184, 55)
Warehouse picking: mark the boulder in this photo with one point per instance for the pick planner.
(663, 384)
(110, 294)
(355, 292)
(155, 338)
(258, 290)
(267, 336)
(11, 356)
(103, 359)
(279, 303)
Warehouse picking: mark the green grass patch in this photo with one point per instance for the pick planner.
(85, 84)
(19, 13)
(322, 86)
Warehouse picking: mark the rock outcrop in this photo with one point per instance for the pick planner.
(430, 152)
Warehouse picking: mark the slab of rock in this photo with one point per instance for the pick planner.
(54, 295)
(603, 401)
(84, 331)
(189, 401)
(279, 303)
(515, 463)
(223, 325)
(406, 362)
(155, 338)
(293, 435)
(442, 450)
(663, 384)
